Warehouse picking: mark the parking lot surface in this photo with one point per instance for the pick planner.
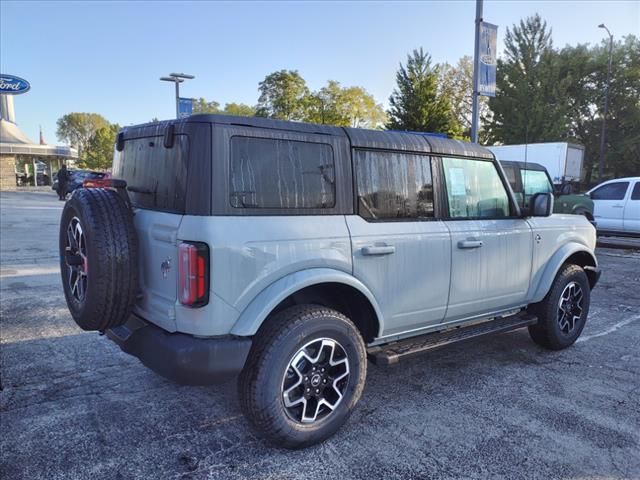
(73, 405)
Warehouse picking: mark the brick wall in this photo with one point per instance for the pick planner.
(7, 172)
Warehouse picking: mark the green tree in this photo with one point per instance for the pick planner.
(200, 105)
(416, 104)
(344, 107)
(456, 83)
(239, 109)
(530, 101)
(77, 129)
(99, 151)
(622, 156)
(284, 95)
(584, 70)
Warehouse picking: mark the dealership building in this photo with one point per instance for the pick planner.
(22, 161)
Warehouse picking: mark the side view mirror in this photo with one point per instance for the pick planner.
(541, 205)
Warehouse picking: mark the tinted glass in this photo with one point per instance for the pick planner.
(535, 181)
(510, 173)
(393, 185)
(474, 189)
(156, 176)
(611, 191)
(269, 173)
(635, 195)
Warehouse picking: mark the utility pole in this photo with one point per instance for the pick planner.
(476, 61)
(603, 133)
(177, 78)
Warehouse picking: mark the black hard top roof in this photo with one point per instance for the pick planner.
(523, 165)
(358, 137)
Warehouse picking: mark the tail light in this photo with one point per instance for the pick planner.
(193, 274)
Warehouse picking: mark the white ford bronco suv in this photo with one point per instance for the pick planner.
(288, 253)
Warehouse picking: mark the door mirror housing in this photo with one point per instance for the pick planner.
(541, 205)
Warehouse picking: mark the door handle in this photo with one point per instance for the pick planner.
(378, 250)
(617, 206)
(469, 243)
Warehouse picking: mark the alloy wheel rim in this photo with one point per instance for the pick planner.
(75, 256)
(315, 380)
(570, 307)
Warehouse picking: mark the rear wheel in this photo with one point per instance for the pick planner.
(304, 375)
(98, 252)
(562, 313)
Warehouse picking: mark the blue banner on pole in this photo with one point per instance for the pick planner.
(487, 59)
(185, 107)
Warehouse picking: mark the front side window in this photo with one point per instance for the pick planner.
(474, 189)
(635, 195)
(535, 181)
(271, 173)
(394, 185)
(610, 191)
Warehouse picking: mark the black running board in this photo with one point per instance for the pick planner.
(393, 352)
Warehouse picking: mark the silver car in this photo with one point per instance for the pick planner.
(287, 254)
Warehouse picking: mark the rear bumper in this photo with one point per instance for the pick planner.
(179, 357)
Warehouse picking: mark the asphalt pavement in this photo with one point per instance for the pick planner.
(74, 406)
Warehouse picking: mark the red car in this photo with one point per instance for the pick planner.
(97, 181)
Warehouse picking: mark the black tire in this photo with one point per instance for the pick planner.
(557, 329)
(100, 279)
(263, 380)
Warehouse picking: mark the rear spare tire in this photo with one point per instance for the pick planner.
(98, 258)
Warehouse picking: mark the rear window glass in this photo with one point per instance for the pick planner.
(156, 176)
(271, 173)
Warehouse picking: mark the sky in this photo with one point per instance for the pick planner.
(106, 57)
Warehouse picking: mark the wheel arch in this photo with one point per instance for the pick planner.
(573, 253)
(321, 286)
(583, 210)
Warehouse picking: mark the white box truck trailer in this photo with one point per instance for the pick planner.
(562, 160)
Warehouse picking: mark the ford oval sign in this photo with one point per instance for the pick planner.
(12, 85)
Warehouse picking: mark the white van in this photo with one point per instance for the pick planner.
(617, 206)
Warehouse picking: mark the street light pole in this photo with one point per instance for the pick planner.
(606, 107)
(475, 96)
(177, 78)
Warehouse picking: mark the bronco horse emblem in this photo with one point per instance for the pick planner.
(165, 267)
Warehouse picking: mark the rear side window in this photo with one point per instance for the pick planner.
(156, 176)
(394, 185)
(636, 192)
(474, 189)
(273, 173)
(611, 191)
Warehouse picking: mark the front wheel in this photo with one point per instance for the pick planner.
(304, 375)
(563, 312)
